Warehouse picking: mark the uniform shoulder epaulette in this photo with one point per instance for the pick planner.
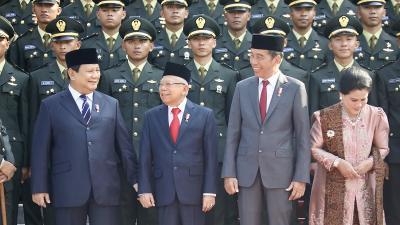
(40, 67)
(367, 68)
(224, 64)
(16, 67)
(156, 66)
(384, 65)
(90, 36)
(25, 33)
(319, 67)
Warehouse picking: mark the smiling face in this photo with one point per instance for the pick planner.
(173, 90)
(263, 63)
(85, 80)
(343, 46)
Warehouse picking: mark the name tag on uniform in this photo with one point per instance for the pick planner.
(257, 16)
(359, 49)
(119, 81)
(29, 47)
(73, 17)
(159, 47)
(328, 81)
(47, 83)
(394, 80)
(320, 17)
(221, 50)
(9, 15)
(288, 50)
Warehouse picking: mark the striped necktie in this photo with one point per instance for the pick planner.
(85, 109)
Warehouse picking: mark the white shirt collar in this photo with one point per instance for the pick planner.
(272, 80)
(76, 95)
(2, 66)
(180, 106)
(206, 66)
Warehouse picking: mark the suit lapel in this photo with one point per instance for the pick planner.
(195, 74)
(189, 109)
(97, 105)
(101, 41)
(125, 71)
(70, 105)
(163, 121)
(212, 72)
(254, 98)
(55, 74)
(143, 78)
(37, 40)
(276, 95)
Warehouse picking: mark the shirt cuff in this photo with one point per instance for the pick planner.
(210, 194)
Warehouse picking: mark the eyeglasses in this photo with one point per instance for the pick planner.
(169, 84)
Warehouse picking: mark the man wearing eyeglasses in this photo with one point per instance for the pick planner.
(178, 153)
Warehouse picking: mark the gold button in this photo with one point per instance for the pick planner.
(372, 58)
(135, 119)
(45, 55)
(220, 134)
(47, 92)
(332, 86)
(136, 90)
(151, 90)
(22, 22)
(135, 134)
(120, 90)
(237, 58)
(88, 24)
(387, 57)
(301, 56)
(202, 103)
(11, 92)
(329, 89)
(111, 55)
(172, 54)
(52, 90)
(201, 89)
(135, 104)
(14, 139)
(396, 89)
(315, 56)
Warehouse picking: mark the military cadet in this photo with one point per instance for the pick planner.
(392, 16)
(148, 9)
(234, 43)
(388, 91)
(328, 9)
(107, 42)
(264, 8)
(377, 48)
(212, 86)
(212, 8)
(274, 26)
(342, 32)
(32, 49)
(19, 13)
(135, 84)
(85, 12)
(14, 113)
(170, 45)
(305, 48)
(7, 168)
(49, 79)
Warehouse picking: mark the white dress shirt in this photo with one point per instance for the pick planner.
(76, 95)
(270, 88)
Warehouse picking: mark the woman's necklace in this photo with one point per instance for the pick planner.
(353, 121)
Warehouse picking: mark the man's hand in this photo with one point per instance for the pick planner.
(231, 185)
(41, 199)
(26, 173)
(297, 188)
(3, 177)
(208, 203)
(147, 200)
(8, 169)
(364, 167)
(347, 170)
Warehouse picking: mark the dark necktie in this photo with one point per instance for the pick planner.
(237, 43)
(110, 43)
(211, 6)
(88, 9)
(263, 100)
(397, 9)
(64, 74)
(46, 40)
(23, 5)
(203, 73)
(174, 39)
(136, 74)
(149, 9)
(302, 41)
(272, 7)
(85, 109)
(335, 7)
(372, 42)
(174, 127)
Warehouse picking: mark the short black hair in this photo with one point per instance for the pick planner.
(354, 78)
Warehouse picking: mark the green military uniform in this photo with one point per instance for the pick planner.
(200, 7)
(20, 18)
(6, 154)
(261, 9)
(388, 91)
(135, 98)
(324, 14)
(214, 89)
(391, 18)
(137, 9)
(76, 11)
(14, 113)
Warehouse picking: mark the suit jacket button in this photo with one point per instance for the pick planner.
(89, 143)
(135, 134)
(202, 103)
(135, 104)
(372, 58)
(87, 128)
(262, 132)
(202, 89)
(259, 151)
(175, 152)
(175, 167)
(136, 90)
(391, 134)
(135, 119)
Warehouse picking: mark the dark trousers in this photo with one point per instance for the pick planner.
(225, 211)
(391, 195)
(181, 214)
(11, 192)
(97, 214)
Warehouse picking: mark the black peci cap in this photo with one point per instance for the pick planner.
(81, 56)
(179, 70)
(268, 42)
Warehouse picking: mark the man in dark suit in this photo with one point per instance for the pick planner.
(171, 45)
(234, 43)
(377, 48)
(135, 84)
(85, 12)
(212, 86)
(267, 155)
(107, 41)
(180, 155)
(32, 49)
(342, 32)
(46, 81)
(79, 145)
(14, 113)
